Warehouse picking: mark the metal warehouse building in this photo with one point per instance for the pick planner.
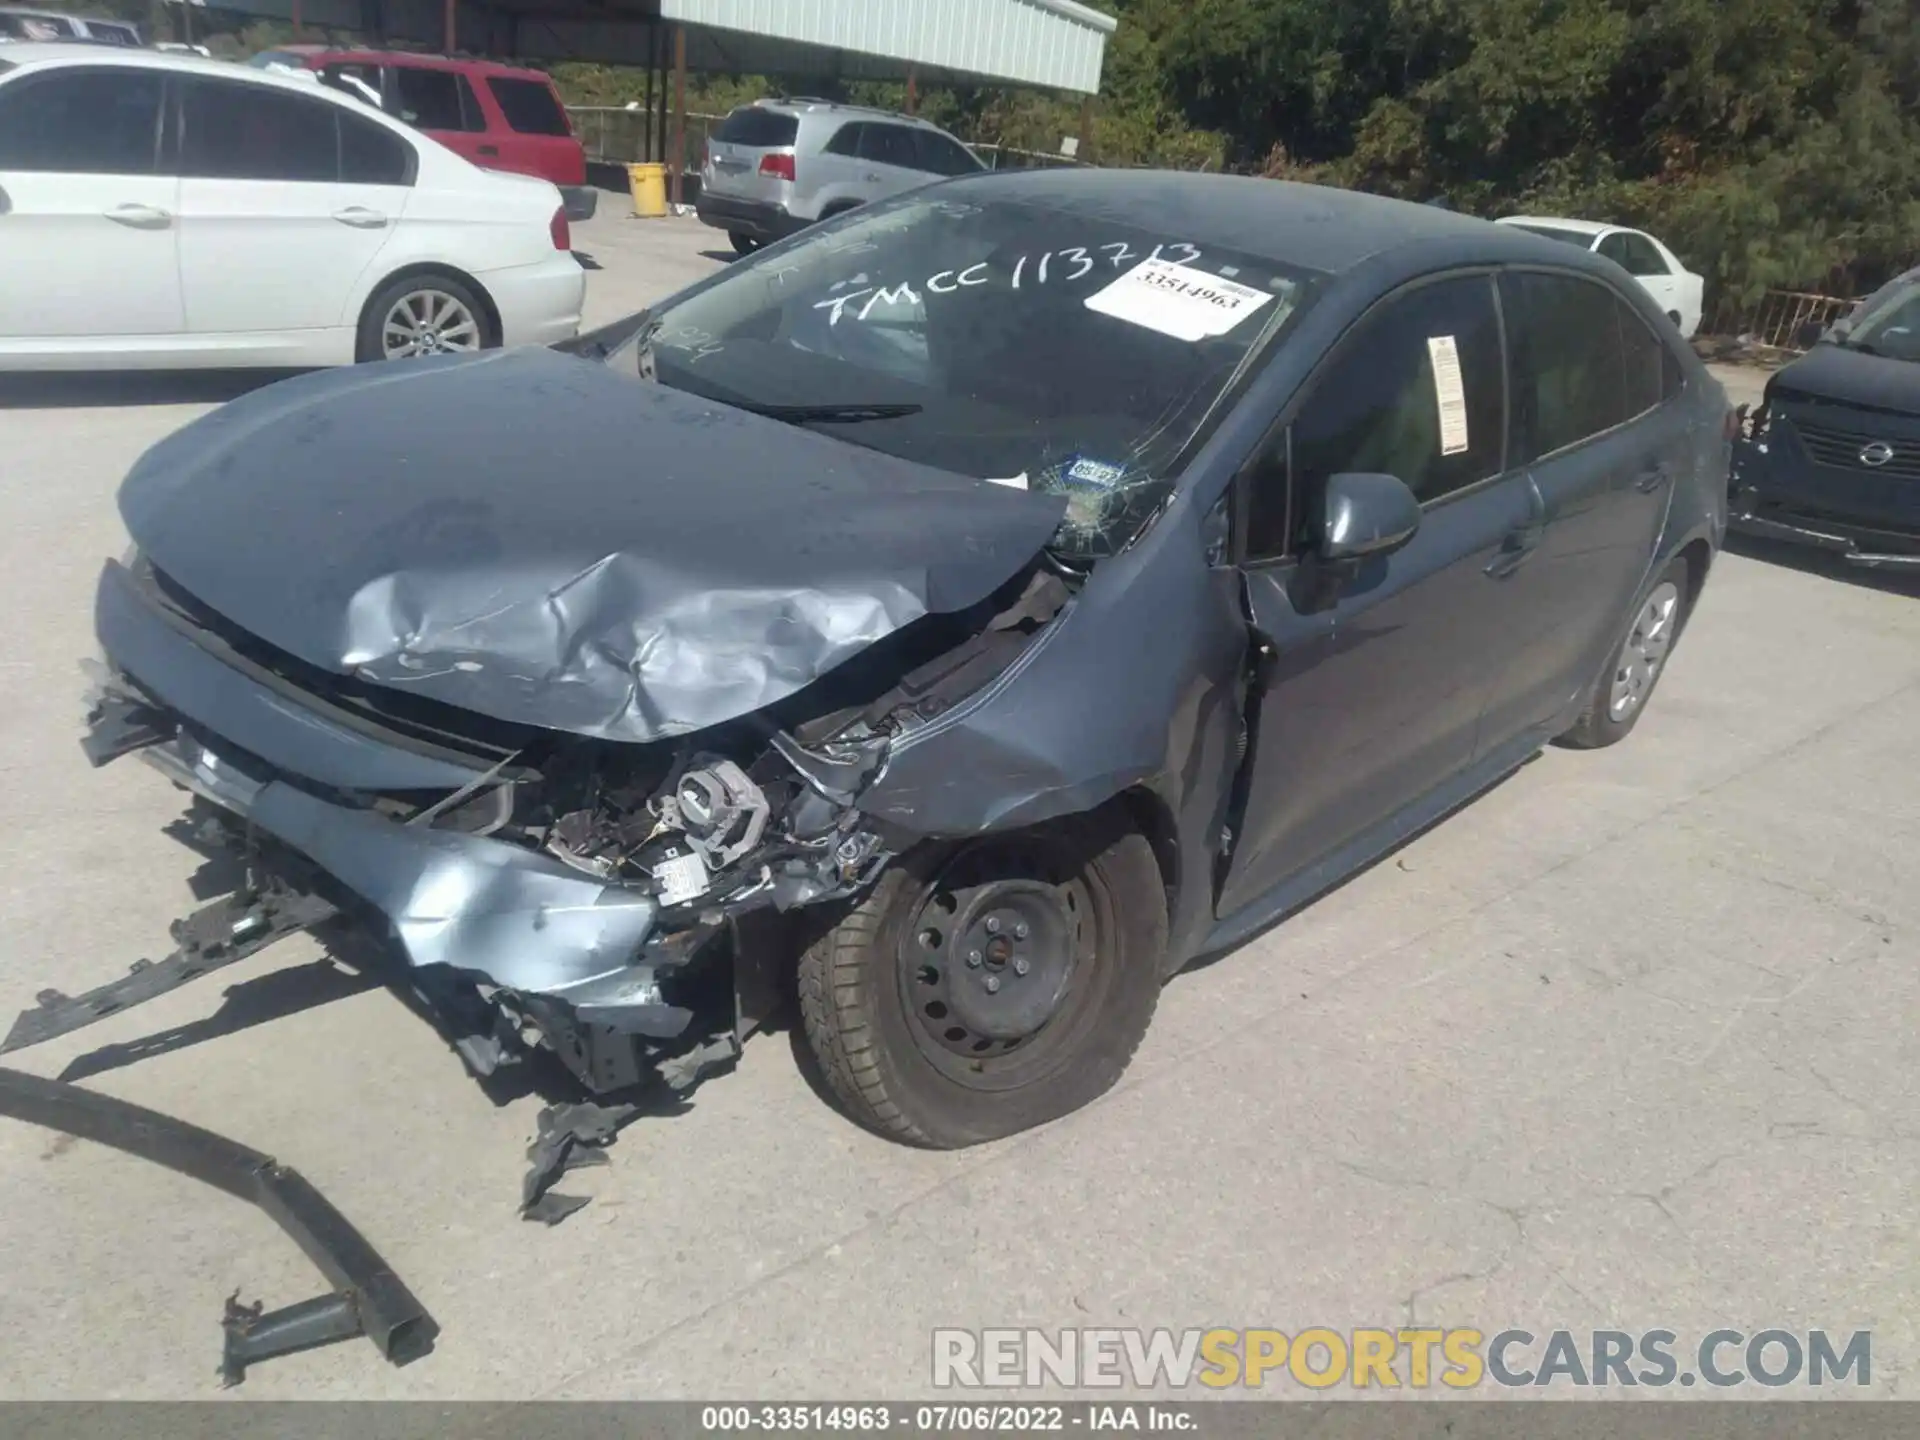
(1056, 44)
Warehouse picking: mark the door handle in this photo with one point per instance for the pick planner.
(360, 217)
(871, 178)
(1651, 479)
(489, 150)
(141, 217)
(1514, 550)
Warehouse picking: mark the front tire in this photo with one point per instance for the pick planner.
(983, 988)
(419, 315)
(1620, 693)
(743, 243)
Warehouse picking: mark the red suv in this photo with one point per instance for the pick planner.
(500, 117)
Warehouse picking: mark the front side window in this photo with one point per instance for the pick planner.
(1413, 392)
(1070, 354)
(256, 132)
(1569, 371)
(82, 122)
(359, 80)
(435, 99)
(530, 106)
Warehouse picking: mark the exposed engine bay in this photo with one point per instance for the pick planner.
(585, 898)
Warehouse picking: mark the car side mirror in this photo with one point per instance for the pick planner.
(1366, 515)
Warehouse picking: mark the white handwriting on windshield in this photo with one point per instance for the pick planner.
(696, 342)
(1064, 266)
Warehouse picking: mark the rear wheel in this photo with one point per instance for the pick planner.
(420, 315)
(743, 243)
(1620, 694)
(985, 988)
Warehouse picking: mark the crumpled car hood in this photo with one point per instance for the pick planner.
(539, 539)
(1852, 377)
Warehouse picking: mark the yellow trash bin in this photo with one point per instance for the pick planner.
(649, 186)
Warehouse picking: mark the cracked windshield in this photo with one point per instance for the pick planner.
(1045, 350)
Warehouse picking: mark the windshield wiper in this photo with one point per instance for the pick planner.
(835, 414)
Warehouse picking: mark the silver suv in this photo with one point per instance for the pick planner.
(777, 166)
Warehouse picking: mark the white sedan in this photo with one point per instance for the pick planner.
(1677, 289)
(162, 210)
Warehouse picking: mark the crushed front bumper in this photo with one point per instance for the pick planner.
(1775, 493)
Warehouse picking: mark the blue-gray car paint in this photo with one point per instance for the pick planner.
(1164, 629)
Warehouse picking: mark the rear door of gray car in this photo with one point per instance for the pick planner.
(1603, 422)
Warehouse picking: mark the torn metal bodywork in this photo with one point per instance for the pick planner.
(365, 1297)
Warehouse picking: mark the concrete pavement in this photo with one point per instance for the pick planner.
(1630, 1042)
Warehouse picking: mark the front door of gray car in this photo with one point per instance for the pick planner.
(1365, 701)
(1594, 419)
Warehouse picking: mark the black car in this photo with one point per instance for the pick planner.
(1832, 456)
(980, 605)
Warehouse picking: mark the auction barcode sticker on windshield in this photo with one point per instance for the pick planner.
(1448, 393)
(1178, 300)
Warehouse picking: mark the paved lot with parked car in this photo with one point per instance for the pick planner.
(1628, 1043)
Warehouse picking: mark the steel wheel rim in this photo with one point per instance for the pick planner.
(428, 322)
(1024, 1028)
(1645, 651)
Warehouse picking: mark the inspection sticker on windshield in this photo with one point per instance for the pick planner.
(1448, 393)
(1178, 300)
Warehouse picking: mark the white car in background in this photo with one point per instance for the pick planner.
(1677, 289)
(161, 211)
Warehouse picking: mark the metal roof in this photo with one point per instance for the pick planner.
(1055, 43)
(1058, 44)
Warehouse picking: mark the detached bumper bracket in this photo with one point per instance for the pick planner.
(216, 935)
(365, 1297)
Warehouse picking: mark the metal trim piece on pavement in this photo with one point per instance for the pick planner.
(366, 1297)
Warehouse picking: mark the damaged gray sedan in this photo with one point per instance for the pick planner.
(963, 613)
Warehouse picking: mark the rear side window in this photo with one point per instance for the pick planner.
(763, 129)
(371, 154)
(889, 145)
(110, 34)
(1646, 359)
(940, 156)
(435, 100)
(1415, 391)
(256, 132)
(530, 106)
(83, 122)
(1570, 361)
(845, 141)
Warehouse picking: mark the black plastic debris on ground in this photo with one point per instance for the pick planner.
(575, 1136)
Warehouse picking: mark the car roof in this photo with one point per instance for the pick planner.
(808, 105)
(1579, 227)
(46, 54)
(1310, 227)
(353, 54)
